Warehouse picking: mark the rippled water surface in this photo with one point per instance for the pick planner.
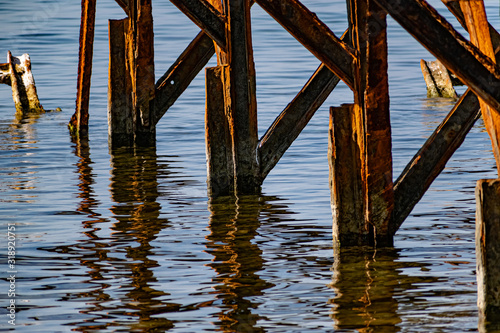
(129, 241)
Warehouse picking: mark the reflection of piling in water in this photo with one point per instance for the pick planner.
(134, 190)
(115, 257)
(371, 289)
(237, 260)
(364, 291)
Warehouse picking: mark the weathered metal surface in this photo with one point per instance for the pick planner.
(454, 7)
(346, 185)
(220, 168)
(132, 83)
(309, 30)
(80, 119)
(221, 54)
(178, 77)
(204, 15)
(437, 79)
(143, 81)
(367, 24)
(477, 25)
(243, 119)
(294, 118)
(18, 74)
(488, 252)
(431, 159)
(120, 121)
(427, 26)
(17, 95)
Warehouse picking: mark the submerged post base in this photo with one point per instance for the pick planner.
(438, 80)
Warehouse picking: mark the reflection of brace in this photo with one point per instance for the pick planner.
(438, 79)
(17, 74)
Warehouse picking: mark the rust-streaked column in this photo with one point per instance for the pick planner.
(349, 227)
(131, 77)
(120, 121)
(143, 81)
(367, 23)
(80, 120)
(243, 120)
(477, 24)
(488, 251)
(220, 170)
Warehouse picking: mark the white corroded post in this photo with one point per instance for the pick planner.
(17, 73)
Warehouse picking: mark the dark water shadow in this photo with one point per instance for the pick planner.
(366, 283)
(237, 261)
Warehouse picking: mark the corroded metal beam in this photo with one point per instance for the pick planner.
(315, 35)
(438, 36)
(431, 159)
(454, 8)
(178, 77)
(204, 15)
(294, 118)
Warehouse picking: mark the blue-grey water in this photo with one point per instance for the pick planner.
(129, 242)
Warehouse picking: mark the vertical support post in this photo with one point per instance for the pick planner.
(349, 228)
(220, 170)
(243, 119)
(80, 120)
(132, 78)
(477, 25)
(488, 251)
(367, 24)
(144, 73)
(120, 122)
